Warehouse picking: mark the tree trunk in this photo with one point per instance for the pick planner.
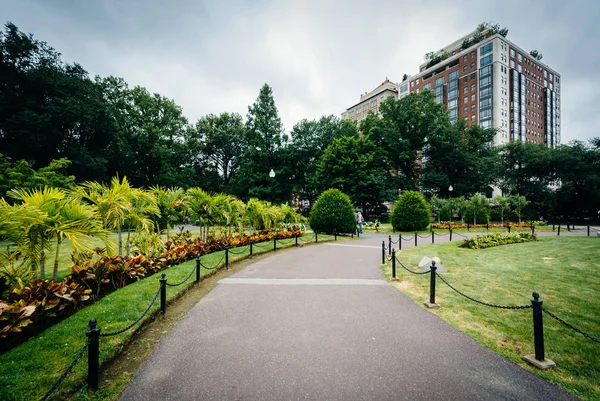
(502, 217)
(128, 245)
(42, 264)
(55, 269)
(120, 241)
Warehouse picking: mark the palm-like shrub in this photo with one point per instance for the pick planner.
(333, 212)
(411, 212)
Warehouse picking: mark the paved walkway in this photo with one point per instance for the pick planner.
(320, 323)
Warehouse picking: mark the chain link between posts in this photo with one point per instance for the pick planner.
(123, 330)
(583, 333)
(66, 372)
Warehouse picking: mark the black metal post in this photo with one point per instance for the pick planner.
(274, 244)
(393, 264)
(558, 232)
(198, 269)
(552, 225)
(163, 294)
(538, 326)
(416, 238)
(508, 228)
(250, 242)
(588, 230)
(227, 256)
(296, 236)
(316, 237)
(335, 235)
(451, 235)
(432, 237)
(432, 283)
(93, 335)
(389, 244)
(487, 226)
(532, 229)
(468, 227)
(400, 242)
(382, 252)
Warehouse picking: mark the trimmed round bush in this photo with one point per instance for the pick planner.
(411, 212)
(333, 212)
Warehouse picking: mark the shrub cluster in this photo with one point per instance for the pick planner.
(27, 309)
(490, 240)
(411, 212)
(333, 212)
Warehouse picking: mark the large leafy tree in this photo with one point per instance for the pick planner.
(50, 109)
(402, 132)
(309, 139)
(356, 167)
(151, 135)
(265, 140)
(221, 142)
(459, 155)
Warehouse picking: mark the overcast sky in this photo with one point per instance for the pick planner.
(318, 56)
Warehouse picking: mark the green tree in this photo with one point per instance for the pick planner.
(410, 212)
(459, 155)
(356, 166)
(143, 209)
(309, 139)
(114, 203)
(478, 207)
(265, 140)
(438, 205)
(502, 204)
(172, 205)
(402, 132)
(221, 143)
(519, 203)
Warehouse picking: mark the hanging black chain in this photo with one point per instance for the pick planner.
(186, 279)
(583, 333)
(66, 372)
(410, 271)
(239, 252)
(114, 333)
(215, 266)
(481, 302)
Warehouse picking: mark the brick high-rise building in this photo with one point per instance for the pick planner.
(495, 84)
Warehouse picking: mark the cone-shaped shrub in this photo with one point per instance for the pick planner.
(411, 212)
(333, 212)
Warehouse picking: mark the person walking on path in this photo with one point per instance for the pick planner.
(359, 219)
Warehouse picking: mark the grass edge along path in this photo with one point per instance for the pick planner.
(28, 371)
(508, 274)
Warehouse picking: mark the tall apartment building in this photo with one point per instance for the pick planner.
(370, 101)
(495, 84)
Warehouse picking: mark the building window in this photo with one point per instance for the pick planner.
(466, 58)
(453, 52)
(465, 110)
(473, 117)
(439, 81)
(417, 83)
(512, 63)
(472, 107)
(485, 49)
(472, 76)
(512, 52)
(465, 100)
(472, 65)
(473, 54)
(466, 79)
(520, 57)
(486, 60)
(472, 87)
(465, 89)
(453, 75)
(412, 84)
(427, 86)
(473, 97)
(465, 68)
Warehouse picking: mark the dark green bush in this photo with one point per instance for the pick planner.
(333, 212)
(411, 212)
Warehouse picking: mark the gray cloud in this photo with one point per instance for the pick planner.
(317, 55)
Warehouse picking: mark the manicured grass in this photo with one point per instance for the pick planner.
(568, 283)
(29, 370)
(386, 228)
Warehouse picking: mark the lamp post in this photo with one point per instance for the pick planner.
(272, 175)
(450, 189)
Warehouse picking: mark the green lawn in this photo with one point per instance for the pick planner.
(569, 285)
(28, 371)
(386, 228)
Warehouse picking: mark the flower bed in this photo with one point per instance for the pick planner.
(28, 309)
(490, 240)
(444, 225)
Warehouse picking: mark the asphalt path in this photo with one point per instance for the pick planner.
(320, 323)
